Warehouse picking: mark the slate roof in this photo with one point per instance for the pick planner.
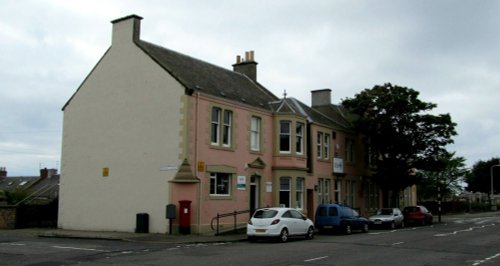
(292, 105)
(207, 78)
(337, 113)
(37, 187)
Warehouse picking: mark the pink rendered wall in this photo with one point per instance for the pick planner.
(238, 157)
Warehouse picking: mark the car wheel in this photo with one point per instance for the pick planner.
(347, 229)
(365, 228)
(251, 238)
(393, 225)
(310, 233)
(284, 235)
(403, 224)
(423, 222)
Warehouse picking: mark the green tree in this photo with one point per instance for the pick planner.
(16, 195)
(403, 136)
(479, 179)
(449, 178)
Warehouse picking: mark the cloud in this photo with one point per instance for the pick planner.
(445, 50)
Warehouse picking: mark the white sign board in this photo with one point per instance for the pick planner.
(241, 182)
(338, 166)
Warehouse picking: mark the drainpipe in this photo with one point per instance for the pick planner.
(198, 192)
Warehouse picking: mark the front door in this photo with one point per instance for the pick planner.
(254, 193)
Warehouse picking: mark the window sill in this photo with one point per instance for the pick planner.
(220, 197)
(222, 148)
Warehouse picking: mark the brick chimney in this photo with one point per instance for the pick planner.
(321, 97)
(126, 30)
(247, 66)
(3, 173)
(44, 173)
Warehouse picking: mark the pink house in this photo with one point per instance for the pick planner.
(150, 127)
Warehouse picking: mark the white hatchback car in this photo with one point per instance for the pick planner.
(281, 223)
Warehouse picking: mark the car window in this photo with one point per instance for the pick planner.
(322, 211)
(385, 212)
(355, 213)
(296, 214)
(333, 211)
(347, 212)
(287, 214)
(262, 214)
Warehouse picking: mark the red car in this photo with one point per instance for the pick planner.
(417, 214)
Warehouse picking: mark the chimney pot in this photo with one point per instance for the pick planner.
(247, 66)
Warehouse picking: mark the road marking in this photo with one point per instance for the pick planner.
(319, 258)
(486, 259)
(397, 243)
(14, 244)
(466, 230)
(84, 249)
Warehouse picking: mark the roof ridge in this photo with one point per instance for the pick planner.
(199, 75)
(194, 58)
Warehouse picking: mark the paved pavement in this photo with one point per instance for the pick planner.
(125, 236)
(165, 238)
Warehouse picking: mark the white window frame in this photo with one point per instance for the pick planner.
(327, 190)
(326, 146)
(299, 193)
(288, 135)
(220, 179)
(285, 189)
(299, 138)
(320, 191)
(215, 125)
(337, 191)
(227, 128)
(319, 144)
(255, 129)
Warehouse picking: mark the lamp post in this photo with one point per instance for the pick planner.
(492, 201)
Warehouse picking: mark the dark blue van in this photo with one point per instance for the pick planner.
(341, 218)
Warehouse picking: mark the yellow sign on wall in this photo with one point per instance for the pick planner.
(201, 166)
(105, 171)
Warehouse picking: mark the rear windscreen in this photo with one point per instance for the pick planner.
(333, 211)
(411, 209)
(265, 214)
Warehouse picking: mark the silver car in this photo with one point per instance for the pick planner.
(280, 223)
(387, 217)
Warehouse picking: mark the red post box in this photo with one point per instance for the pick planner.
(185, 217)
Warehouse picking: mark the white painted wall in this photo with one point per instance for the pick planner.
(125, 116)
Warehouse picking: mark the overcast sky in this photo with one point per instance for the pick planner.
(447, 50)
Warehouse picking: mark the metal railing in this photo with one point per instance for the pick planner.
(234, 214)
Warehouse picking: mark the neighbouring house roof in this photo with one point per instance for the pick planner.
(336, 113)
(294, 106)
(36, 187)
(203, 77)
(11, 183)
